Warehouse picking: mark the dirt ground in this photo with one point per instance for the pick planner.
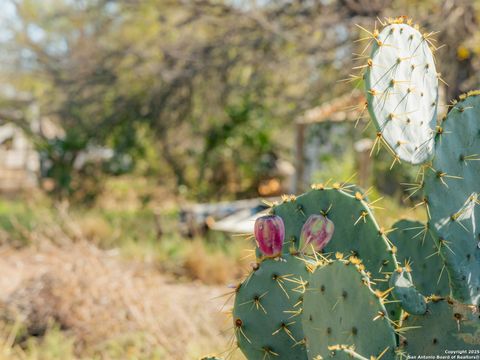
(96, 298)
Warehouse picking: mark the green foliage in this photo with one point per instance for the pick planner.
(55, 345)
(58, 163)
(135, 344)
(102, 72)
(239, 152)
(388, 179)
(18, 218)
(333, 144)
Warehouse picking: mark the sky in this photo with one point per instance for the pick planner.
(7, 14)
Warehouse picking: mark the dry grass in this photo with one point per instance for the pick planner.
(95, 229)
(211, 268)
(98, 299)
(99, 284)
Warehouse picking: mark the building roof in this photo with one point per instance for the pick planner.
(345, 108)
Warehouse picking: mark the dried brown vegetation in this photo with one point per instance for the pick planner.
(97, 298)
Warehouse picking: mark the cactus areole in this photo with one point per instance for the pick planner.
(316, 233)
(270, 233)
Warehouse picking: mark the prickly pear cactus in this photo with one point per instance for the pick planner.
(340, 308)
(452, 188)
(401, 84)
(447, 325)
(418, 251)
(267, 308)
(356, 231)
(296, 305)
(268, 303)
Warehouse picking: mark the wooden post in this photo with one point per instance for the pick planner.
(158, 224)
(363, 161)
(300, 158)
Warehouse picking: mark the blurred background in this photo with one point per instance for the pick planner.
(138, 137)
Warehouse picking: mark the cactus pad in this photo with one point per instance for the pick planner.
(339, 307)
(455, 172)
(403, 290)
(417, 249)
(446, 326)
(356, 231)
(402, 91)
(267, 307)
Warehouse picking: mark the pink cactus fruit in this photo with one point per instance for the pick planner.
(270, 233)
(317, 232)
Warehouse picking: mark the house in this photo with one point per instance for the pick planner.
(19, 162)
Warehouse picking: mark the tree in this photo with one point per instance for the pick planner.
(199, 74)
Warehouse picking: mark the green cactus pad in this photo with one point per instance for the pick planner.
(452, 186)
(417, 248)
(446, 326)
(339, 307)
(401, 84)
(403, 290)
(356, 231)
(267, 308)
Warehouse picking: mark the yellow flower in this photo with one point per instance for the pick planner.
(463, 53)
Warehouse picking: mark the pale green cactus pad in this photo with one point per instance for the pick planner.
(401, 84)
(417, 248)
(267, 308)
(447, 325)
(452, 186)
(340, 308)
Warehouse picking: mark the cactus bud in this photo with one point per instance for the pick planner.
(270, 233)
(317, 232)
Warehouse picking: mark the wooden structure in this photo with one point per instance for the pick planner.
(19, 162)
(343, 109)
(228, 216)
